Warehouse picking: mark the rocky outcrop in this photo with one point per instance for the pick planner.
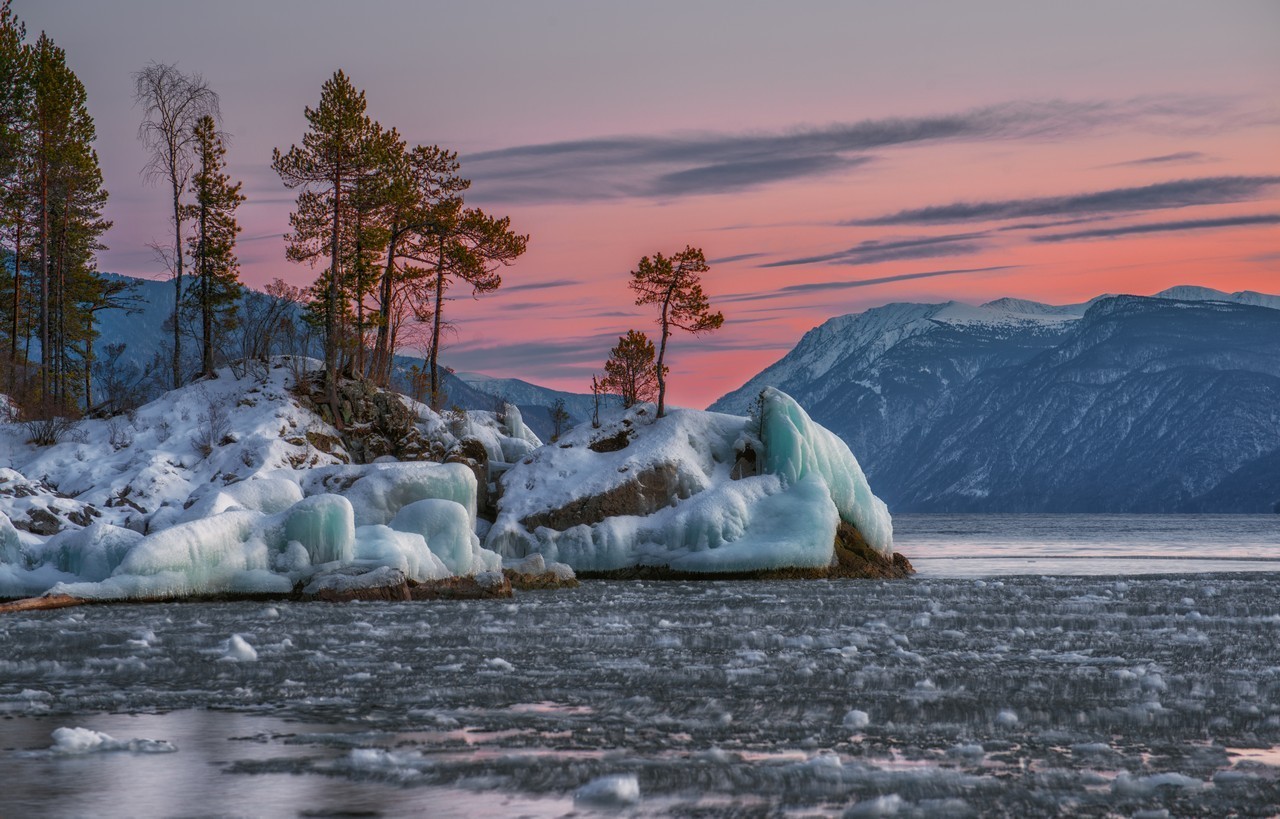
(648, 491)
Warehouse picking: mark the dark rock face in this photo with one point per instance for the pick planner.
(471, 453)
(462, 588)
(391, 594)
(647, 492)
(1137, 405)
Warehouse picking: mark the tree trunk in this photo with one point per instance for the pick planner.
(662, 353)
(381, 365)
(44, 281)
(177, 270)
(17, 302)
(331, 315)
(435, 328)
(206, 308)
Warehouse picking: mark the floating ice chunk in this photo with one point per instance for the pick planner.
(970, 751)
(398, 765)
(889, 805)
(499, 664)
(87, 741)
(1126, 784)
(796, 447)
(446, 528)
(238, 650)
(856, 719)
(617, 791)
(325, 525)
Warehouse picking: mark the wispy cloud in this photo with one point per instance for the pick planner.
(1162, 227)
(850, 284)
(1163, 159)
(547, 285)
(673, 165)
(741, 257)
(873, 251)
(1162, 195)
(725, 177)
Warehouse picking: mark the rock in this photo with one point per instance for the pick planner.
(349, 583)
(855, 558)
(533, 573)
(484, 586)
(653, 489)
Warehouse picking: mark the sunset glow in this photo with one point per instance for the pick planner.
(827, 159)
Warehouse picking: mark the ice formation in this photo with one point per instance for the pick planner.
(143, 512)
(145, 507)
(693, 492)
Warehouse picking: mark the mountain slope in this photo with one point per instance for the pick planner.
(1122, 404)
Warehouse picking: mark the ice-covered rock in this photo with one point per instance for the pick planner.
(694, 492)
(236, 485)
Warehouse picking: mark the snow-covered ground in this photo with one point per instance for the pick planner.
(236, 486)
(1016, 696)
(233, 485)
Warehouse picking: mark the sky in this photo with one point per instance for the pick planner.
(828, 157)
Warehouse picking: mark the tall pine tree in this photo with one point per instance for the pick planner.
(336, 152)
(212, 242)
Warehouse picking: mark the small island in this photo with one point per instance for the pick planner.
(237, 487)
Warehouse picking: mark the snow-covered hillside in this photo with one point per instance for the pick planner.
(240, 486)
(237, 486)
(1019, 406)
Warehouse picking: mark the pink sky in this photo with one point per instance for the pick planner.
(763, 134)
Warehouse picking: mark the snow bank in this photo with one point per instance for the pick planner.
(683, 492)
(232, 485)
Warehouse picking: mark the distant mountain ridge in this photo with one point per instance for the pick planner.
(1122, 404)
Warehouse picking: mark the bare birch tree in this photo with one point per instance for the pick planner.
(172, 103)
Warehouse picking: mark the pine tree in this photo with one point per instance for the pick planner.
(464, 244)
(16, 202)
(212, 242)
(675, 284)
(630, 371)
(422, 183)
(69, 201)
(336, 151)
(50, 222)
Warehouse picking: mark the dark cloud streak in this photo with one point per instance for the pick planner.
(1162, 227)
(707, 163)
(1180, 193)
(873, 252)
(822, 287)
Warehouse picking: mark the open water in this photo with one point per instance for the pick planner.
(1014, 676)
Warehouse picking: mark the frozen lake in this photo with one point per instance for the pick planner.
(987, 545)
(1087, 694)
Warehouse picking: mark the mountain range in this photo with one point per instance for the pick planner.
(1166, 403)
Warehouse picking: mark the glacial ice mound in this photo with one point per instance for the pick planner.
(697, 492)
